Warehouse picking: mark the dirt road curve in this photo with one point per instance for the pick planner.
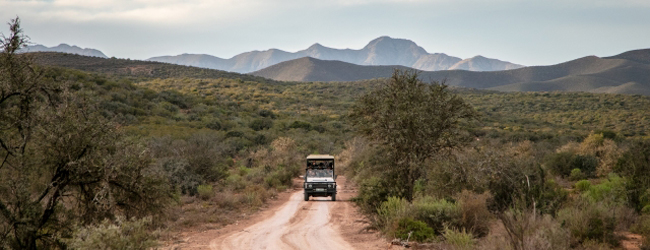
(295, 224)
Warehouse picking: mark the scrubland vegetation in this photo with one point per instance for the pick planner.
(494, 192)
(102, 159)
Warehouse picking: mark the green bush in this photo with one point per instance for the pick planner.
(261, 124)
(586, 163)
(391, 211)
(560, 163)
(611, 190)
(437, 213)
(419, 230)
(576, 174)
(205, 192)
(635, 167)
(459, 239)
(564, 163)
(124, 234)
(646, 209)
(372, 192)
(583, 185)
(589, 221)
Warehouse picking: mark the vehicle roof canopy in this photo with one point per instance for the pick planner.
(320, 157)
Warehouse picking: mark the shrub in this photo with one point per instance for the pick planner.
(646, 209)
(123, 234)
(437, 213)
(459, 239)
(527, 231)
(589, 221)
(586, 163)
(642, 227)
(391, 211)
(583, 185)
(635, 167)
(418, 230)
(261, 124)
(372, 192)
(563, 163)
(205, 192)
(611, 190)
(560, 163)
(576, 174)
(475, 216)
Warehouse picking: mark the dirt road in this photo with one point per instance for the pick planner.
(295, 224)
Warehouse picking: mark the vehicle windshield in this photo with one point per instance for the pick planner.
(320, 173)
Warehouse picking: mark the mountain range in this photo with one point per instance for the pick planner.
(626, 73)
(381, 51)
(64, 48)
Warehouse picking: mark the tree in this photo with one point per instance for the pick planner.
(61, 163)
(634, 165)
(414, 120)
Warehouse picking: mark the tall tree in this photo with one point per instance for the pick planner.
(414, 120)
(61, 163)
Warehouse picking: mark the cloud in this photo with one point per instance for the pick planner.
(152, 11)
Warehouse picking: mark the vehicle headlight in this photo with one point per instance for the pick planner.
(329, 186)
(309, 186)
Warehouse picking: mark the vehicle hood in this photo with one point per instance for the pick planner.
(320, 179)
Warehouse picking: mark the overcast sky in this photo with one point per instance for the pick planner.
(529, 32)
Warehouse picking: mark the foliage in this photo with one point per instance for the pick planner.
(205, 191)
(564, 163)
(414, 120)
(458, 239)
(437, 213)
(62, 162)
(475, 216)
(576, 174)
(123, 234)
(642, 227)
(611, 190)
(414, 230)
(583, 185)
(590, 221)
(527, 231)
(390, 212)
(634, 165)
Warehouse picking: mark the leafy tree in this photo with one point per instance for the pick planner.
(61, 162)
(635, 166)
(414, 120)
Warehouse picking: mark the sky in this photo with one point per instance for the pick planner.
(528, 32)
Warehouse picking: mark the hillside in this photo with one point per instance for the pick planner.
(64, 48)
(309, 69)
(626, 73)
(133, 68)
(381, 51)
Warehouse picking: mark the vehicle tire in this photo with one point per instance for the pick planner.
(333, 197)
(306, 197)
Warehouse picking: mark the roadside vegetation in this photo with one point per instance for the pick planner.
(108, 158)
(491, 192)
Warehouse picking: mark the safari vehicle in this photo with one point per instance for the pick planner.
(320, 180)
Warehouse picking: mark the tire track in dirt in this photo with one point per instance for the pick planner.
(296, 225)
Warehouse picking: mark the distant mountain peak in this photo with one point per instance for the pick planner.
(65, 48)
(386, 40)
(316, 45)
(384, 50)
